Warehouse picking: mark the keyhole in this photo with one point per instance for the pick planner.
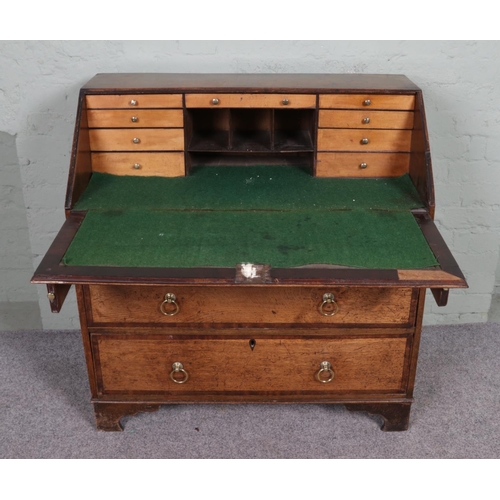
(252, 344)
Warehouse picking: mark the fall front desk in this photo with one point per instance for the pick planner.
(250, 239)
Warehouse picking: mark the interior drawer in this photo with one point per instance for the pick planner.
(145, 365)
(250, 101)
(134, 101)
(367, 101)
(329, 118)
(363, 140)
(148, 139)
(141, 118)
(362, 164)
(147, 164)
(140, 305)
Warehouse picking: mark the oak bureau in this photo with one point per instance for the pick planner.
(250, 239)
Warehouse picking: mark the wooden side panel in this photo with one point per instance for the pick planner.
(352, 140)
(251, 101)
(365, 119)
(362, 164)
(140, 100)
(145, 365)
(367, 101)
(80, 168)
(139, 118)
(137, 140)
(249, 305)
(420, 158)
(141, 164)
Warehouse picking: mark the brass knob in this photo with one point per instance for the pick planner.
(363, 165)
(285, 102)
(136, 140)
(137, 166)
(133, 102)
(170, 298)
(367, 102)
(365, 140)
(179, 368)
(328, 298)
(215, 101)
(365, 120)
(134, 119)
(325, 367)
(51, 296)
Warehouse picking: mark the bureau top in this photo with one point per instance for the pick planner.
(243, 82)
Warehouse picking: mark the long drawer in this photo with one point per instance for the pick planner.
(131, 365)
(182, 305)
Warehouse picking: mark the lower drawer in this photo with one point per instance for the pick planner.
(133, 364)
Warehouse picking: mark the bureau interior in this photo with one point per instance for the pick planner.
(287, 180)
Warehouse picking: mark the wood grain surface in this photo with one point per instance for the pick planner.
(144, 365)
(249, 305)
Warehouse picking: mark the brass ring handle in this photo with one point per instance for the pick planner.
(170, 298)
(328, 298)
(179, 368)
(325, 367)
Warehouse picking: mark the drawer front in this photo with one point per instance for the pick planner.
(367, 101)
(134, 101)
(250, 101)
(363, 140)
(139, 305)
(141, 164)
(366, 119)
(171, 139)
(141, 118)
(362, 164)
(144, 365)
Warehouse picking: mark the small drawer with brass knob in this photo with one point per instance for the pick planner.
(147, 139)
(388, 120)
(364, 140)
(372, 101)
(140, 163)
(136, 101)
(141, 118)
(362, 164)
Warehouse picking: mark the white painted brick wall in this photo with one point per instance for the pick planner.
(39, 83)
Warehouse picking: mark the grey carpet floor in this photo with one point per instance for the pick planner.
(45, 410)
